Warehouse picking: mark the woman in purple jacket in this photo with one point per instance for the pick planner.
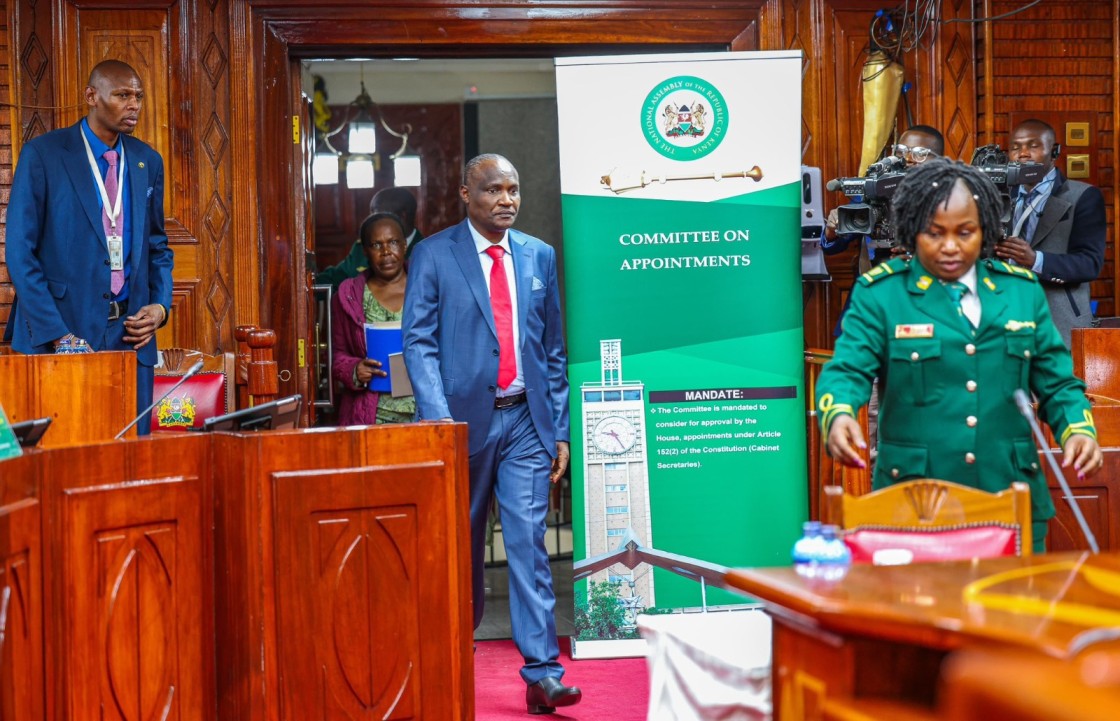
(377, 295)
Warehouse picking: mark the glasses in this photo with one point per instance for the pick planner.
(378, 246)
(916, 154)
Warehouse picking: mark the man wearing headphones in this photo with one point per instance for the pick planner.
(1058, 229)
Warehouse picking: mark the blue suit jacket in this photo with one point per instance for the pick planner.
(56, 250)
(451, 345)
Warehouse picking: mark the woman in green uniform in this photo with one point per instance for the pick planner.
(951, 339)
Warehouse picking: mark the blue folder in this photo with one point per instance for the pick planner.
(382, 340)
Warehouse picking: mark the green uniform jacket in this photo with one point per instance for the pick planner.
(946, 409)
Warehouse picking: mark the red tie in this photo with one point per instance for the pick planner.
(116, 278)
(503, 317)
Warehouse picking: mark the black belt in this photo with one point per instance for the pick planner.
(501, 402)
(116, 309)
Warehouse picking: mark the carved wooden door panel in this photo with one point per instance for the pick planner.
(134, 565)
(353, 608)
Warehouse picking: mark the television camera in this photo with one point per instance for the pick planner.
(993, 162)
(875, 189)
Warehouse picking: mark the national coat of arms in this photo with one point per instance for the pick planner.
(176, 412)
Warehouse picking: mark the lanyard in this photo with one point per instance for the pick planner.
(113, 211)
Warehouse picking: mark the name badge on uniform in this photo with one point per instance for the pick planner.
(116, 252)
(914, 330)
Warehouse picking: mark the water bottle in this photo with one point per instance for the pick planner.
(836, 557)
(807, 549)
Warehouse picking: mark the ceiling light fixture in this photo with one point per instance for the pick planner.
(362, 118)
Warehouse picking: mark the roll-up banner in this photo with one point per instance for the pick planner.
(681, 180)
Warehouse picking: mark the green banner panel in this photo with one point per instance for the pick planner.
(684, 323)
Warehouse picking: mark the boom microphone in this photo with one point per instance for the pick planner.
(834, 185)
(193, 369)
(1024, 405)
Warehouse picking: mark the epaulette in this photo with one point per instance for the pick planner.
(884, 270)
(1005, 268)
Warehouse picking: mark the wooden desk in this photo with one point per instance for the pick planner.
(880, 634)
(278, 576)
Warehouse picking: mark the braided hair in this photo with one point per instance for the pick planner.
(928, 185)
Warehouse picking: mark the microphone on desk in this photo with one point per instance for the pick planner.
(186, 376)
(1024, 404)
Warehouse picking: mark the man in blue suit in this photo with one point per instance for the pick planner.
(483, 343)
(86, 247)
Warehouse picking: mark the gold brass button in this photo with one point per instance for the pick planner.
(971, 421)
(969, 457)
(970, 349)
(914, 356)
(971, 386)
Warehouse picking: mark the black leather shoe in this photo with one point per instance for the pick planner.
(548, 693)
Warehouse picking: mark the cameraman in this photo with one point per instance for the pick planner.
(1058, 229)
(915, 145)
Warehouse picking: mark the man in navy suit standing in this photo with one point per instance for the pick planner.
(483, 344)
(86, 247)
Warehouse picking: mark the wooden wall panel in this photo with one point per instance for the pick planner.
(143, 43)
(29, 82)
(7, 121)
(34, 69)
(208, 95)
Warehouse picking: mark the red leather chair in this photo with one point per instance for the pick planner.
(208, 393)
(932, 520)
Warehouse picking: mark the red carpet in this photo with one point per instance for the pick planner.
(613, 689)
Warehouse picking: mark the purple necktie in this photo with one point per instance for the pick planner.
(116, 281)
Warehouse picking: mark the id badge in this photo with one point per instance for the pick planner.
(116, 252)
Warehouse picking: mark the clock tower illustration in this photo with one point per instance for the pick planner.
(616, 473)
